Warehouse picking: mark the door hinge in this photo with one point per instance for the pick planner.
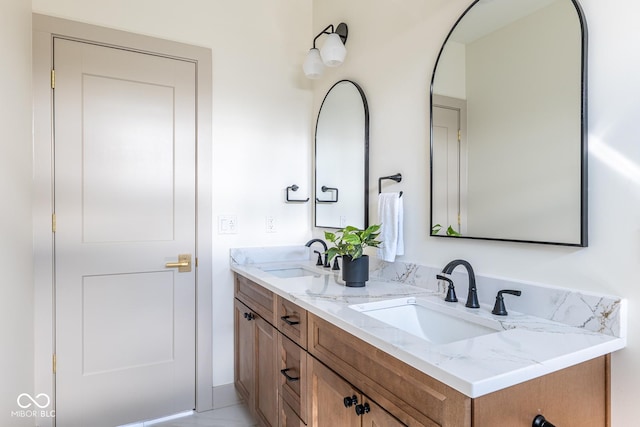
(459, 135)
(53, 79)
(53, 223)
(196, 262)
(459, 222)
(54, 363)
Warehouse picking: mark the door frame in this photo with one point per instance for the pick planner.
(44, 29)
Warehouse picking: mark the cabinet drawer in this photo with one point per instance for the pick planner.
(292, 321)
(258, 298)
(408, 394)
(574, 396)
(293, 376)
(288, 417)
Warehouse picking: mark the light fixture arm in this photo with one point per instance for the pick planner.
(341, 30)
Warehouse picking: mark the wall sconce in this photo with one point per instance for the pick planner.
(331, 54)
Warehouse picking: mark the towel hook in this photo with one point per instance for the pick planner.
(294, 188)
(397, 178)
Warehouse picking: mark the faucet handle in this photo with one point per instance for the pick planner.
(499, 309)
(451, 292)
(319, 262)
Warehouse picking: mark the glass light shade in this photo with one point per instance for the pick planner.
(313, 65)
(333, 51)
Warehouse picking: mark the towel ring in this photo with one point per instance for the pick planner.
(397, 178)
(294, 187)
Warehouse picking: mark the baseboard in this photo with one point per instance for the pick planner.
(225, 395)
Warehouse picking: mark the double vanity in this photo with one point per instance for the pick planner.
(310, 351)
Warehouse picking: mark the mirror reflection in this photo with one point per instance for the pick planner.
(342, 147)
(508, 149)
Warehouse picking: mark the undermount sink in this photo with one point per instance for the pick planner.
(290, 272)
(426, 320)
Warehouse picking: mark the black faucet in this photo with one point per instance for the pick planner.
(472, 296)
(324, 245)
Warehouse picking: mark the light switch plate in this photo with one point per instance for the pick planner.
(227, 224)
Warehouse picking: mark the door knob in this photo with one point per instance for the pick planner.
(183, 265)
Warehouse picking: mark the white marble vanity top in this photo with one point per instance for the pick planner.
(526, 348)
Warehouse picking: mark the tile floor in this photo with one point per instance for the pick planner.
(230, 416)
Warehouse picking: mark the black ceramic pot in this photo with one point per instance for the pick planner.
(355, 273)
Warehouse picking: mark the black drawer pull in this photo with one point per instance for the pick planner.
(288, 377)
(249, 316)
(290, 322)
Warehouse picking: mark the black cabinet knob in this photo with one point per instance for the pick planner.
(249, 316)
(362, 409)
(541, 421)
(350, 401)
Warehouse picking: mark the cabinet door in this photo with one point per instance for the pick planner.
(378, 417)
(265, 368)
(244, 351)
(327, 392)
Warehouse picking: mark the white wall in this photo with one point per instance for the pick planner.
(261, 118)
(16, 258)
(392, 49)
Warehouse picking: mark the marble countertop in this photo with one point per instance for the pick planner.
(526, 347)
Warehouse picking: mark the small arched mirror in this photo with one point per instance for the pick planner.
(508, 124)
(342, 158)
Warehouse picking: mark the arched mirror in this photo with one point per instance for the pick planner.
(508, 124)
(342, 158)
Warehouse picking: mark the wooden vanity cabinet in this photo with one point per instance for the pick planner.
(324, 364)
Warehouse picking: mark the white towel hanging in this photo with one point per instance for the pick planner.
(390, 216)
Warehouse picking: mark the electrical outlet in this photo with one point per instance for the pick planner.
(270, 224)
(227, 224)
(343, 221)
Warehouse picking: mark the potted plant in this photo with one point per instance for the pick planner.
(349, 244)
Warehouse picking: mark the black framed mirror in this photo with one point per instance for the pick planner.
(509, 124)
(342, 158)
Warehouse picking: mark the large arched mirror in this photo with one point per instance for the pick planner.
(342, 158)
(508, 124)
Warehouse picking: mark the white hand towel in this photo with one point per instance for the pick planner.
(390, 213)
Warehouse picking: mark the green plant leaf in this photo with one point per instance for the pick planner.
(452, 232)
(331, 237)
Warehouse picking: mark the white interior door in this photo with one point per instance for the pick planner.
(446, 164)
(125, 206)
